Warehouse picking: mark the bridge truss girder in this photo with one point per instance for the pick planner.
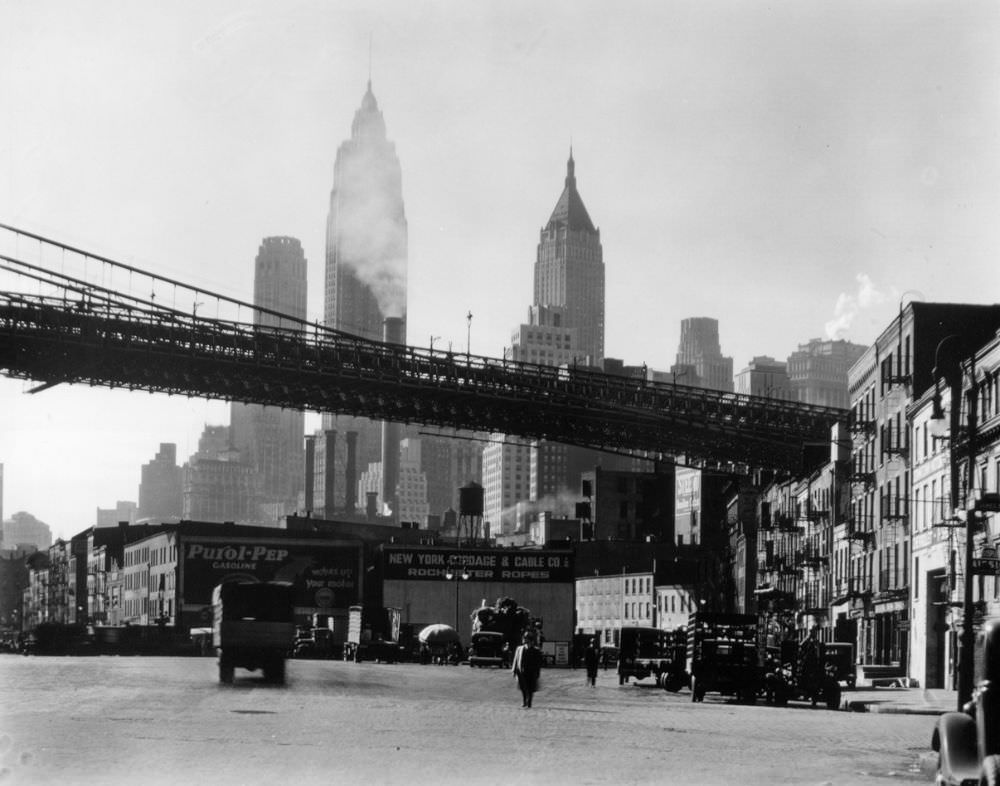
(55, 341)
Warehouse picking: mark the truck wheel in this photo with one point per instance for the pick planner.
(275, 671)
(226, 671)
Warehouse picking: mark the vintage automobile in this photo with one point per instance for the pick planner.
(968, 742)
(488, 649)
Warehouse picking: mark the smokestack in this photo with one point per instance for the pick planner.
(310, 469)
(392, 333)
(329, 478)
(351, 473)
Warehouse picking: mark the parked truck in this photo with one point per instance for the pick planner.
(374, 635)
(253, 627)
(496, 632)
(722, 655)
(650, 652)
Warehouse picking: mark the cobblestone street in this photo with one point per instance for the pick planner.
(162, 720)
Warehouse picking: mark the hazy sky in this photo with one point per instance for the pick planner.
(789, 168)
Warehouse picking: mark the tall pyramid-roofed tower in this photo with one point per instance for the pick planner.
(569, 268)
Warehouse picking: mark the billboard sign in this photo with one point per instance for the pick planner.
(325, 574)
(403, 563)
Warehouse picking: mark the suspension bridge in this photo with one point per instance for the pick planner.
(68, 316)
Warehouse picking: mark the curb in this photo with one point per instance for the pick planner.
(888, 709)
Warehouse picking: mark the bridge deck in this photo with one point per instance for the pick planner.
(116, 344)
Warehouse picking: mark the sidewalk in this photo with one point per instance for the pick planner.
(906, 701)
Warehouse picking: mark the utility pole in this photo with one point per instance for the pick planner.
(966, 667)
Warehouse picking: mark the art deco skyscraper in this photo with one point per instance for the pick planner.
(569, 269)
(366, 233)
(566, 325)
(270, 439)
(700, 362)
(366, 260)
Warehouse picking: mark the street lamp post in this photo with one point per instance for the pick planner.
(458, 574)
(953, 374)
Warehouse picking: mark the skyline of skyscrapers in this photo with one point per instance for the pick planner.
(365, 268)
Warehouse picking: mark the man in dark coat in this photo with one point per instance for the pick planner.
(526, 668)
(590, 659)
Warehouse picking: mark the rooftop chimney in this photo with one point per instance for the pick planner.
(392, 333)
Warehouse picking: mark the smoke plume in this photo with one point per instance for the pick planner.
(849, 306)
(371, 221)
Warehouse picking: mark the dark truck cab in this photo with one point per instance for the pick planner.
(253, 627)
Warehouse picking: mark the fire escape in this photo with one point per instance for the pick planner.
(814, 563)
(859, 529)
(778, 571)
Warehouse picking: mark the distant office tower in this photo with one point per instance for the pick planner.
(569, 269)
(410, 498)
(448, 464)
(699, 357)
(366, 258)
(270, 439)
(765, 376)
(24, 529)
(160, 489)
(124, 510)
(412, 494)
(544, 339)
(506, 481)
(216, 485)
(818, 371)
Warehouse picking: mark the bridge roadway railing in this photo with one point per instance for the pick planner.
(100, 341)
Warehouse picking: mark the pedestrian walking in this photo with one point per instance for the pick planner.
(591, 657)
(810, 666)
(526, 668)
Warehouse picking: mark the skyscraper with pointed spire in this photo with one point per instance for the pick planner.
(569, 268)
(366, 262)
(566, 326)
